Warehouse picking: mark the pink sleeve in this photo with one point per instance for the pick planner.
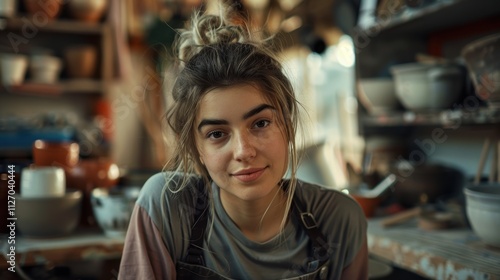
(145, 255)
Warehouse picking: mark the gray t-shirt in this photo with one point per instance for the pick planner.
(228, 252)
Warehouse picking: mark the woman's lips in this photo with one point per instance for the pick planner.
(249, 175)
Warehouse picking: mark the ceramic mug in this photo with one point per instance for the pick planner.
(47, 181)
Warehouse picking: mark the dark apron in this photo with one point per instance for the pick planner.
(193, 266)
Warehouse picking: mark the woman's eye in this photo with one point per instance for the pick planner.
(215, 134)
(262, 123)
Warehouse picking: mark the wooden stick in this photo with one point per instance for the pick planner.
(494, 163)
(498, 160)
(482, 160)
(400, 217)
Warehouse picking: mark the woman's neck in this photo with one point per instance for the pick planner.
(258, 220)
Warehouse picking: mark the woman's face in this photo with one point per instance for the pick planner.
(240, 142)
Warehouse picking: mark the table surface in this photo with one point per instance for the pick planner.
(83, 244)
(438, 254)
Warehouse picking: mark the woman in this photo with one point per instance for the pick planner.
(225, 210)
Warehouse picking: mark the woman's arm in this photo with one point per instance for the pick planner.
(145, 255)
(358, 268)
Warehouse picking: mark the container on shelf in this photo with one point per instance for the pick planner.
(427, 87)
(13, 68)
(482, 58)
(81, 61)
(88, 10)
(45, 69)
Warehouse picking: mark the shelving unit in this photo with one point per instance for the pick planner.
(69, 96)
(399, 37)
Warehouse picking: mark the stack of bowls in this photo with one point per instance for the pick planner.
(483, 211)
(43, 196)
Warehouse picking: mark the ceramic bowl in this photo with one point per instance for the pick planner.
(378, 95)
(13, 68)
(113, 208)
(483, 211)
(45, 68)
(88, 10)
(423, 87)
(48, 216)
(48, 9)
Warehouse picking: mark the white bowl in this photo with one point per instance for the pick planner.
(45, 68)
(427, 87)
(378, 95)
(13, 68)
(483, 211)
(113, 208)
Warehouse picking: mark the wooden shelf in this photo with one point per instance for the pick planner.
(74, 86)
(61, 26)
(439, 118)
(437, 16)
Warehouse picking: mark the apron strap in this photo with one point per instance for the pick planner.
(195, 248)
(320, 246)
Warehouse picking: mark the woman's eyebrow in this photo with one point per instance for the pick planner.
(247, 115)
(257, 110)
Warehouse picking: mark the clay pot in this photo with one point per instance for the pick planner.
(81, 61)
(49, 9)
(368, 204)
(87, 10)
(62, 154)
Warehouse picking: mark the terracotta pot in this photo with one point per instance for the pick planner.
(81, 61)
(49, 9)
(87, 10)
(62, 154)
(368, 204)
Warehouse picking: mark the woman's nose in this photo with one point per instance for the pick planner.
(244, 147)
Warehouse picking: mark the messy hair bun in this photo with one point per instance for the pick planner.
(208, 29)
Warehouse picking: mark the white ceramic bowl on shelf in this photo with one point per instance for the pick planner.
(13, 68)
(424, 87)
(483, 211)
(45, 68)
(378, 95)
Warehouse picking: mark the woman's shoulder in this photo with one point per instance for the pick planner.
(330, 206)
(321, 196)
(163, 188)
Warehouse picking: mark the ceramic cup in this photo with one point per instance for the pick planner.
(46, 181)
